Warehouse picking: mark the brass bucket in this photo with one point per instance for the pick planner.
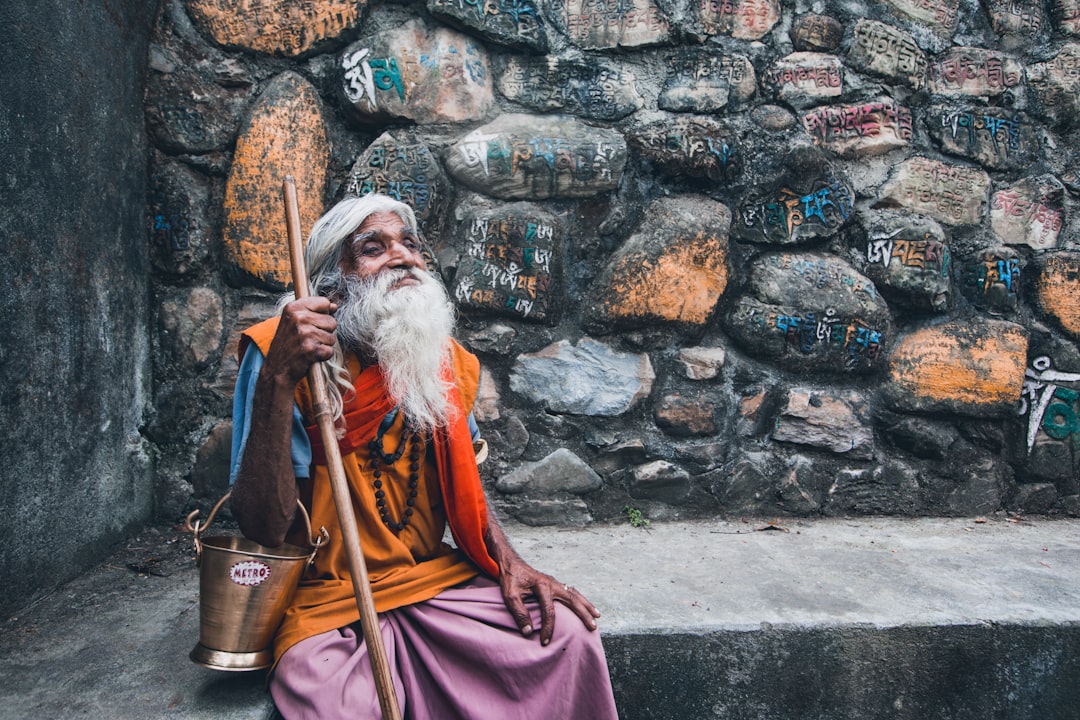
(244, 590)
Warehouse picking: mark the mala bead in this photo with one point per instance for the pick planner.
(379, 454)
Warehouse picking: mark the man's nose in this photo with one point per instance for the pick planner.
(401, 255)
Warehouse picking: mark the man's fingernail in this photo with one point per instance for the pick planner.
(527, 629)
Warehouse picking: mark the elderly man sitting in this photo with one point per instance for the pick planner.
(459, 623)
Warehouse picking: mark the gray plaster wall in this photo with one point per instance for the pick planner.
(74, 294)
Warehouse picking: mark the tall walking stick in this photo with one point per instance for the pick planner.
(369, 620)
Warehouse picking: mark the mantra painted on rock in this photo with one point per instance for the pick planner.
(830, 204)
(1049, 407)
(927, 254)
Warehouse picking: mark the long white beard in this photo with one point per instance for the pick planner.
(407, 330)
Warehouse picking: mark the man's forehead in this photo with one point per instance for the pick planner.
(387, 221)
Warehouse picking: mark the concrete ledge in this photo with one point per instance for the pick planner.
(834, 619)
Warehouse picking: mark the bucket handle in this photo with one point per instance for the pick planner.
(199, 527)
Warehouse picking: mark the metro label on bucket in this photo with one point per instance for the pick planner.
(249, 572)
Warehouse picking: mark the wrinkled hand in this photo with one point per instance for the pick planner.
(518, 580)
(304, 337)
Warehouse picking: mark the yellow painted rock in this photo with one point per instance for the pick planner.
(970, 367)
(1058, 290)
(284, 135)
(277, 27)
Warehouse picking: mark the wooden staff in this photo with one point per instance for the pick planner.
(369, 619)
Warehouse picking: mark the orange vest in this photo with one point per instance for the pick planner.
(403, 568)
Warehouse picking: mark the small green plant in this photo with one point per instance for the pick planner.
(636, 518)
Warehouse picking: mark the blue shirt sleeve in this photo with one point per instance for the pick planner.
(243, 395)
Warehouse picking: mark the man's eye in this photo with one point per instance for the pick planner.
(370, 249)
(412, 245)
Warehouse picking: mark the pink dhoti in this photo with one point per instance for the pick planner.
(457, 656)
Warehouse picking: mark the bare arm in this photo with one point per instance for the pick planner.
(518, 580)
(264, 494)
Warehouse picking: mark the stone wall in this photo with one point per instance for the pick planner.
(74, 309)
(740, 257)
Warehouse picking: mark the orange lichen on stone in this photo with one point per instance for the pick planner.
(682, 284)
(278, 27)
(1058, 288)
(283, 136)
(976, 365)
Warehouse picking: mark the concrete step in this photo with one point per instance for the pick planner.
(794, 620)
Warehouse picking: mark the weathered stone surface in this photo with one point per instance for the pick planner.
(249, 314)
(284, 135)
(700, 458)
(277, 27)
(941, 17)
(691, 146)
(920, 436)
(561, 471)
(486, 407)
(888, 52)
(191, 326)
(1066, 16)
(856, 131)
(908, 259)
(751, 485)
(951, 194)
(601, 26)
(417, 72)
(1031, 212)
(596, 90)
(674, 268)
(512, 262)
(973, 71)
(741, 19)
(527, 157)
(589, 378)
(541, 513)
(773, 118)
(400, 164)
(803, 79)
(1057, 290)
(619, 455)
(835, 422)
(660, 480)
(810, 312)
(210, 474)
(494, 338)
(513, 23)
(1034, 498)
(706, 83)
(1019, 23)
(973, 367)
(816, 33)
(702, 363)
(809, 199)
(883, 490)
(181, 230)
(1055, 85)
(981, 490)
(995, 138)
(684, 416)
(992, 280)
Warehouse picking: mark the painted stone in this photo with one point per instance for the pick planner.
(951, 194)
(809, 311)
(591, 89)
(838, 423)
(1057, 290)
(1050, 414)
(940, 16)
(974, 71)
(908, 258)
(1055, 85)
(740, 19)
(1019, 23)
(996, 138)
(673, 269)
(810, 199)
(419, 73)
(593, 25)
(399, 164)
(512, 23)
(707, 83)
(511, 262)
(816, 33)
(520, 156)
(971, 367)
(587, 378)
(991, 280)
(1031, 212)
(888, 52)
(284, 135)
(182, 232)
(276, 27)
(856, 131)
(1066, 16)
(689, 146)
(803, 79)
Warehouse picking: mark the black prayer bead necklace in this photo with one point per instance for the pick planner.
(414, 441)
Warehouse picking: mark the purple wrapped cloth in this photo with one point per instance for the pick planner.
(456, 656)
